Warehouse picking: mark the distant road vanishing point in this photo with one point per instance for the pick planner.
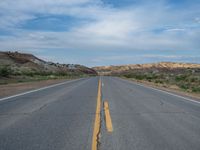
(104, 113)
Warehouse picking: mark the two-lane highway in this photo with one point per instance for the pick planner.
(66, 117)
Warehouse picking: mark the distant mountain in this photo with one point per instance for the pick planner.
(152, 67)
(21, 63)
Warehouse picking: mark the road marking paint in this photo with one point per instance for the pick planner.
(108, 117)
(36, 90)
(185, 98)
(97, 122)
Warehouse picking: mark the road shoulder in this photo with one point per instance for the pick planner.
(16, 88)
(193, 96)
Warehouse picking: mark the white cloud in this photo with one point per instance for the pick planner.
(19, 11)
(104, 27)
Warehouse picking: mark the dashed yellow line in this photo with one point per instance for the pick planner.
(96, 129)
(108, 117)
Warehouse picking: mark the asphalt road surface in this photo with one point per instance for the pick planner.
(62, 117)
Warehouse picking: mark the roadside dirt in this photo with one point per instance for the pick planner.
(16, 88)
(169, 88)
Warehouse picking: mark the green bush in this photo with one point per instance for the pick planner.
(184, 86)
(194, 79)
(139, 77)
(196, 89)
(5, 71)
(159, 81)
(151, 76)
(180, 78)
(128, 76)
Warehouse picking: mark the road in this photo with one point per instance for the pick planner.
(64, 117)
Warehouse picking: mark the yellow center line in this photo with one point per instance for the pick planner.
(96, 129)
(108, 117)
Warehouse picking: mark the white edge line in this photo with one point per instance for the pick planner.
(43, 88)
(165, 92)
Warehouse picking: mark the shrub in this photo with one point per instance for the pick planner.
(159, 81)
(196, 89)
(5, 71)
(139, 77)
(180, 78)
(128, 76)
(194, 79)
(184, 86)
(151, 76)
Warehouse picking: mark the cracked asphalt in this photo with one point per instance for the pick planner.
(146, 119)
(57, 118)
(62, 118)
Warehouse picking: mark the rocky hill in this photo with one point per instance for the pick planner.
(28, 64)
(153, 67)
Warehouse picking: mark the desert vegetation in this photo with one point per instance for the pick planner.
(181, 76)
(5, 71)
(184, 79)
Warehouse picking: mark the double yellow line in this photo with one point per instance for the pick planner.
(97, 122)
(96, 131)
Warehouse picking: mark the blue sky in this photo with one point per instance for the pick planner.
(102, 32)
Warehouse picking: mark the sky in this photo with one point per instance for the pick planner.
(102, 32)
